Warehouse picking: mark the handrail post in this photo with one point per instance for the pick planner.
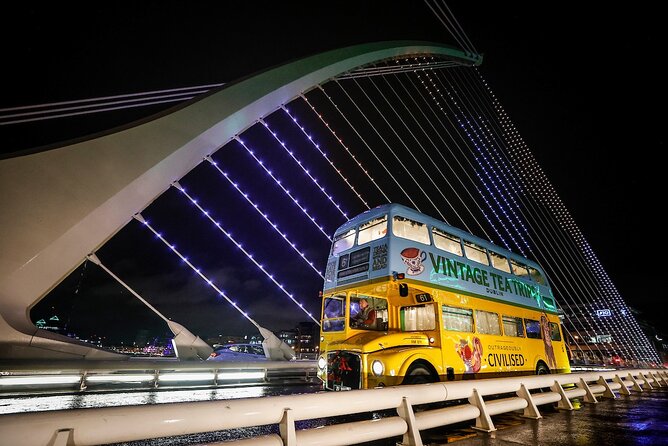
(636, 386)
(608, 391)
(287, 428)
(82, 382)
(531, 411)
(646, 384)
(412, 436)
(623, 390)
(63, 438)
(658, 377)
(589, 396)
(564, 403)
(484, 421)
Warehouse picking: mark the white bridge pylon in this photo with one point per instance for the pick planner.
(60, 205)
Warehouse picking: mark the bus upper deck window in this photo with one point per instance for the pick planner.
(372, 230)
(410, 229)
(447, 242)
(475, 252)
(519, 269)
(343, 241)
(536, 276)
(500, 262)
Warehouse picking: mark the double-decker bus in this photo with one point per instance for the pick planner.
(408, 299)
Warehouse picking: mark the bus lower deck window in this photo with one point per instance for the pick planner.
(555, 335)
(457, 319)
(512, 326)
(487, 322)
(533, 328)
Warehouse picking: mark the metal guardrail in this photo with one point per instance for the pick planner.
(85, 376)
(122, 424)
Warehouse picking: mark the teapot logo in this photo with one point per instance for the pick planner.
(413, 259)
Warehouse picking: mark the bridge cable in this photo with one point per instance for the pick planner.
(324, 155)
(494, 212)
(331, 130)
(250, 257)
(452, 154)
(304, 169)
(502, 170)
(493, 169)
(565, 251)
(48, 112)
(587, 270)
(429, 120)
(452, 19)
(453, 32)
(427, 154)
(278, 182)
(426, 133)
(550, 250)
(221, 293)
(273, 225)
(389, 148)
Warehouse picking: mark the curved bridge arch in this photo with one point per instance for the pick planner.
(60, 205)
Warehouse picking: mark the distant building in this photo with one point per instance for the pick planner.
(308, 340)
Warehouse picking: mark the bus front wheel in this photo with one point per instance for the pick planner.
(419, 374)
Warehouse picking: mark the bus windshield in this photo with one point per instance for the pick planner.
(367, 312)
(334, 313)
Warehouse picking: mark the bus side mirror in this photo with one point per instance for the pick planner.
(403, 289)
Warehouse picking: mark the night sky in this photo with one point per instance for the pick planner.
(583, 87)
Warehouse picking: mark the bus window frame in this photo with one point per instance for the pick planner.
(485, 250)
(359, 229)
(334, 240)
(540, 330)
(428, 241)
(434, 307)
(498, 323)
(337, 296)
(473, 327)
(433, 241)
(491, 262)
(522, 334)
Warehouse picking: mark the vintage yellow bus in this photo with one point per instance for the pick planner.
(409, 299)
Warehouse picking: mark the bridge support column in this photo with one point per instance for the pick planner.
(589, 396)
(608, 391)
(412, 435)
(287, 428)
(531, 411)
(636, 386)
(646, 384)
(623, 389)
(484, 421)
(564, 403)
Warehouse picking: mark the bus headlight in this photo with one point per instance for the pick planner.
(377, 367)
(322, 362)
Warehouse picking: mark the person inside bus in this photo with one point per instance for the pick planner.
(365, 317)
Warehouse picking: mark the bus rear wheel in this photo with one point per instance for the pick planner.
(419, 374)
(542, 369)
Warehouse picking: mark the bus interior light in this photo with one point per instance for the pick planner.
(398, 276)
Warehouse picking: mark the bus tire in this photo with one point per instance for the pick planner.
(542, 368)
(419, 374)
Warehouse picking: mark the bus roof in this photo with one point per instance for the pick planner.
(393, 209)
